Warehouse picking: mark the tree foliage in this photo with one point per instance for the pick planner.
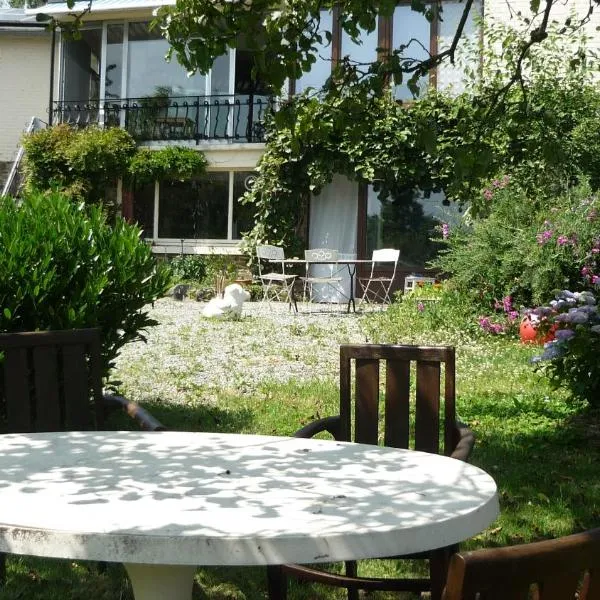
(455, 144)
(286, 37)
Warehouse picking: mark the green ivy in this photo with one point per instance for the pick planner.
(543, 137)
(172, 162)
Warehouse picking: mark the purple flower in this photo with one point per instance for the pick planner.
(496, 183)
(562, 240)
(513, 315)
(552, 351)
(445, 230)
(543, 237)
(564, 334)
(488, 194)
(573, 316)
(420, 307)
(507, 304)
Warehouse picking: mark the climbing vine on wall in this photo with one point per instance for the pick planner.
(375, 140)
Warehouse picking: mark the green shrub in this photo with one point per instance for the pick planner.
(188, 268)
(64, 267)
(82, 163)
(527, 248)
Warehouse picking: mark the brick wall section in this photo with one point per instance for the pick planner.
(24, 81)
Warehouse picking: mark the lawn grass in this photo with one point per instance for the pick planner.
(542, 451)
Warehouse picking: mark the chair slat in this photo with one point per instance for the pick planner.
(427, 407)
(17, 390)
(450, 440)
(45, 364)
(397, 404)
(76, 388)
(367, 401)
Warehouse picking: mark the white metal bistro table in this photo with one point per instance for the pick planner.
(350, 263)
(164, 502)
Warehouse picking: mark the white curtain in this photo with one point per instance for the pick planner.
(333, 215)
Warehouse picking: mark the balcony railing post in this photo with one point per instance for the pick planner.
(250, 124)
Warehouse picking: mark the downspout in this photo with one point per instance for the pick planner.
(51, 98)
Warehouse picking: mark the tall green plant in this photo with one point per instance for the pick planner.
(63, 266)
(527, 247)
(80, 162)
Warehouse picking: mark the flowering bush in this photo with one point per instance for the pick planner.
(571, 359)
(527, 247)
(504, 320)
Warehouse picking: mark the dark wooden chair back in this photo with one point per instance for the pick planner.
(561, 569)
(50, 381)
(430, 370)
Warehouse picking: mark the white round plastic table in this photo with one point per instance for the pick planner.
(164, 502)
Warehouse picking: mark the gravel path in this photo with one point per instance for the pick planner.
(187, 352)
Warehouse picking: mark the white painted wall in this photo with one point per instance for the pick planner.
(24, 85)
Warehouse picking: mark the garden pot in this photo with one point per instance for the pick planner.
(529, 332)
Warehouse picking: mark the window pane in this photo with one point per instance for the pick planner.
(410, 25)
(81, 64)
(194, 209)
(321, 69)
(449, 75)
(114, 61)
(365, 52)
(143, 209)
(149, 74)
(407, 222)
(243, 214)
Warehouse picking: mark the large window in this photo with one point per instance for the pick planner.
(410, 28)
(321, 69)
(407, 221)
(206, 208)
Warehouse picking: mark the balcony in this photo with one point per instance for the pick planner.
(235, 118)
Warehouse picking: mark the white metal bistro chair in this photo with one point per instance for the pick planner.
(377, 287)
(276, 285)
(324, 276)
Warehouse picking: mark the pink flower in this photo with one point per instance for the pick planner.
(595, 279)
(420, 307)
(562, 240)
(507, 304)
(445, 230)
(543, 237)
(585, 271)
(488, 194)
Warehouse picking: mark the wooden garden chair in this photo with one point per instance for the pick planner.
(566, 568)
(52, 381)
(435, 430)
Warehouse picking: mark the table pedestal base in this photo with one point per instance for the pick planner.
(159, 582)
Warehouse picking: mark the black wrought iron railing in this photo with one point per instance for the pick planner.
(156, 118)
